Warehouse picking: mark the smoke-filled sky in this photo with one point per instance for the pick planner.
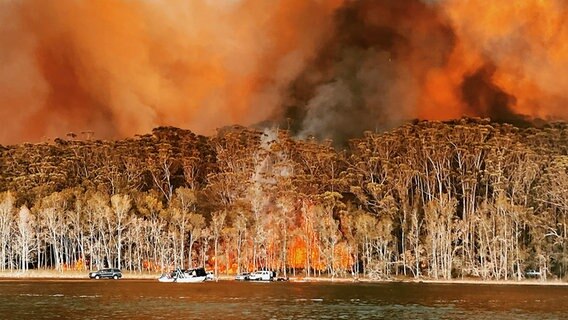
(329, 68)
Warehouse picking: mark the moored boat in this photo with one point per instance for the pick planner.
(184, 276)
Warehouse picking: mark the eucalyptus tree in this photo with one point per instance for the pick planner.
(5, 165)
(284, 217)
(500, 164)
(317, 169)
(204, 240)
(229, 241)
(184, 205)
(552, 199)
(402, 180)
(443, 232)
(76, 220)
(261, 182)
(83, 160)
(364, 229)
(383, 245)
(216, 226)
(308, 232)
(230, 180)
(155, 243)
(278, 177)
(380, 178)
(522, 180)
(120, 205)
(51, 210)
(98, 211)
(469, 142)
(91, 207)
(119, 166)
(162, 164)
(197, 157)
(328, 233)
(370, 168)
(24, 236)
(6, 220)
(347, 229)
(196, 232)
(178, 222)
(136, 244)
(240, 226)
(41, 176)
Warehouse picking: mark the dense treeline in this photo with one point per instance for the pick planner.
(467, 198)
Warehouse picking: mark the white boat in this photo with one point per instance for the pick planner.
(263, 275)
(184, 276)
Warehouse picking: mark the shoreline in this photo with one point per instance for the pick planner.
(83, 275)
(529, 282)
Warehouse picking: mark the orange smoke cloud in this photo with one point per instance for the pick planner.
(335, 67)
(526, 42)
(390, 61)
(119, 67)
(522, 49)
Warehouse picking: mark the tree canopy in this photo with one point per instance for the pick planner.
(465, 198)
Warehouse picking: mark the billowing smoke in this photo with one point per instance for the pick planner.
(120, 67)
(370, 74)
(328, 68)
(390, 61)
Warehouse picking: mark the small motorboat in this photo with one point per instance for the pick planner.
(184, 276)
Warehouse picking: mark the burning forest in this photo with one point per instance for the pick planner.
(466, 198)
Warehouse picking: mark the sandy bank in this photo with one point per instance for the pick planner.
(77, 275)
(52, 274)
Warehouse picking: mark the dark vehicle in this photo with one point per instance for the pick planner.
(106, 273)
(532, 274)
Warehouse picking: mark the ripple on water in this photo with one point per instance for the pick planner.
(239, 301)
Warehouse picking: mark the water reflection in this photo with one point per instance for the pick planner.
(130, 299)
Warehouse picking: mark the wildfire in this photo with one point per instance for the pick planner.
(119, 67)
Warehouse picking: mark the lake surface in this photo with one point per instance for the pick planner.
(149, 299)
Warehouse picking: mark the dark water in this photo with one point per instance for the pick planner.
(137, 299)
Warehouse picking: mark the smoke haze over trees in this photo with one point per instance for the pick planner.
(427, 199)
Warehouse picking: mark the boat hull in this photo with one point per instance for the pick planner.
(184, 276)
(190, 280)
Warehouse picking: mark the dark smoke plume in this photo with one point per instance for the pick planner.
(369, 74)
